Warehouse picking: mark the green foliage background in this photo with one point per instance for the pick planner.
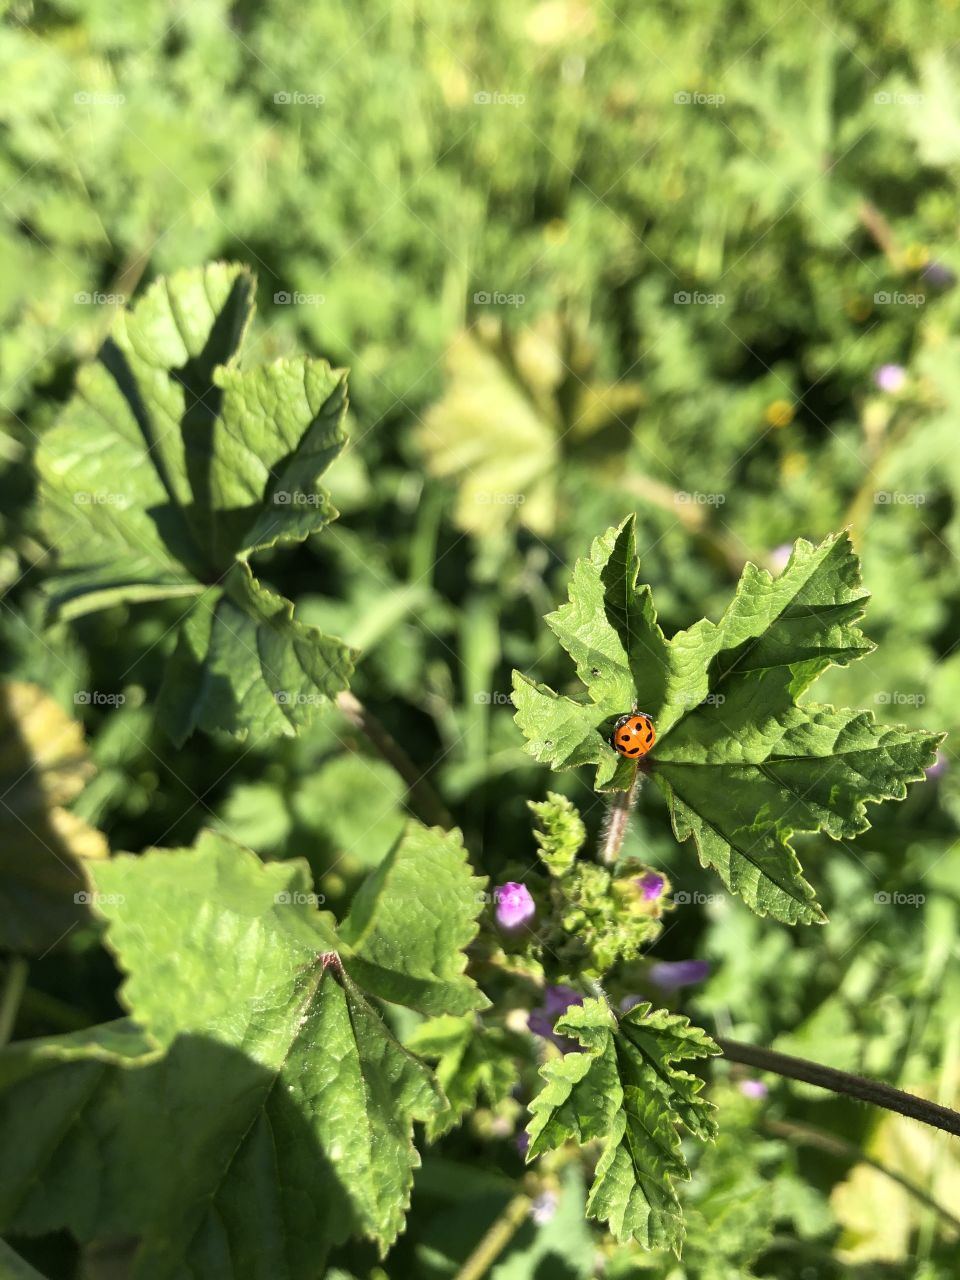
(505, 281)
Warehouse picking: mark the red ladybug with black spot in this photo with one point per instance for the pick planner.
(633, 735)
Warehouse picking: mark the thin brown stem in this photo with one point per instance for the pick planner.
(844, 1082)
(422, 798)
(618, 819)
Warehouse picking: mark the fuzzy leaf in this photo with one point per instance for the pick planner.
(410, 922)
(473, 1062)
(168, 469)
(626, 1091)
(742, 765)
(287, 1105)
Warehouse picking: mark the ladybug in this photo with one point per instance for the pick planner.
(633, 735)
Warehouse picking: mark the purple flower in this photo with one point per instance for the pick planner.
(939, 766)
(780, 555)
(544, 1207)
(890, 378)
(523, 1142)
(670, 975)
(556, 1002)
(650, 884)
(939, 275)
(630, 1002)
(515, 906)
(753, 1088)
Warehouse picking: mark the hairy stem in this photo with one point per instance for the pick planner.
(882, 1095)
(618, 819)
(13, 987)
(496, 1239)
(423, 800)
(813, 1137)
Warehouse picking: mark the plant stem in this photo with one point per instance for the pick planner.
(882, 1095)
(13, 987)
(618, 819)
(496, 1239)
(423, 800)
(813, 1137)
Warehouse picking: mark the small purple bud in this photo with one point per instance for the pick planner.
(523, 1142)
(670, 975)
(938, 767)
(515, 906)
(651, 885)
(630, 1002)
(753, 1088)
(890, 378)
(939, 275)
(780, 555)
(544, 1207)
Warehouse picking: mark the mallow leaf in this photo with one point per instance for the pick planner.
(625, 1090)
(742, 763)
(168, 470)
(264, 1106)
(474, 1062)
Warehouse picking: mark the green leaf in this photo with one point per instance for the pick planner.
(411, 920)
(560, 834)
(168, 469)
(44, 765)
(473, 1062)
(742, 765)
(287, 1106)
(625, 1090)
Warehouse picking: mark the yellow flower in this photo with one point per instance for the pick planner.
(794, 464)
(779, 413)
(858, 309)
(916, 256)
(556, 231)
